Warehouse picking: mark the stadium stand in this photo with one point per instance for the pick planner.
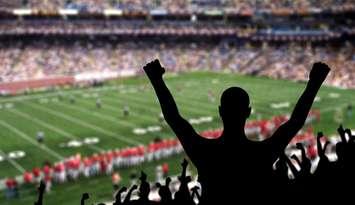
(178, 6)
(44, 59)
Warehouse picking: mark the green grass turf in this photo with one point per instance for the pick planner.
(62, 121)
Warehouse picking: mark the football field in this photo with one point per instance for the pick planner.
(72, 123)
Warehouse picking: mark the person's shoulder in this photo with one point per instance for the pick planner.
(209, 140)
(262, 143)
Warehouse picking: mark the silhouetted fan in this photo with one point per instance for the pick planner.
(129, 194)
(232, 163)
(118, 196)
(41, 189)
(195, 193)
(84, 197)
(164, 192)
(183, 196)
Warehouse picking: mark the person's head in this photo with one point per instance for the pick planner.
(234, 108)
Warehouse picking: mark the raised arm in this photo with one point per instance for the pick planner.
(84, 197)
(182, 128)
(41, 189)
(289, 129)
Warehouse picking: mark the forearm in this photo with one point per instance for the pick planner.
(304, 104)
(40, 199)
(166, 100)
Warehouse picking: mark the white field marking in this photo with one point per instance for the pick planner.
(99, 115)
(85, 124)
(80, 91)
(17, 154)
(187, 108)
(209, 106)
(280, 105)
(196, 111)
(115, 109)
(30, 140)
(51, 127)
(143, 117)
(141, 103)
(13, 163)
(334, 95)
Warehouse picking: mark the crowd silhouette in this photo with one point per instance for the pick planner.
(234, 169)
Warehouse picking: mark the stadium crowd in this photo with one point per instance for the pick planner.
(124, 27)
(176, 5)
(35, 60)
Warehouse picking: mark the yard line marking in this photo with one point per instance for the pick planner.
(138, 100)
(99, 115)
(13, 163)
(143, 117)
(137, 104)
(51, 127)
(30, 140)
(85, 124)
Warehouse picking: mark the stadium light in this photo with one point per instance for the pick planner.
(67, 12)
(22, 12)
(113, 12)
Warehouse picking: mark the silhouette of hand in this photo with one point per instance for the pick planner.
(321, 150)
(134, 187)
(42, 186)
(184, 163)
(341, 132)
(123, 189)
(85, 196)
(195, 188)
(351, 137)
(319, 72)
(158, 185)
(306, 163)
(154, 70)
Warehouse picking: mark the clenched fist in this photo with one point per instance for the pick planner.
(154, 70)
(319, 72)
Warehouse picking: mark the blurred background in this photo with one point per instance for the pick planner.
(77, 111)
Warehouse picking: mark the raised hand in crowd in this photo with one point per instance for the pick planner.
(84, 197)
(324, 162)
(305, 164)
(127, 199)
(118, 196)
(165, 192)
(154, 70)
(195, 194)
(183, 196)
(41, 189)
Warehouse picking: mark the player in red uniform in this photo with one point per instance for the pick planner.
(165, 169)
(27, 178)
(36, 174)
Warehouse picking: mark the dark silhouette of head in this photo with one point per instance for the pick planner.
(234, 108)
(144, 188)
